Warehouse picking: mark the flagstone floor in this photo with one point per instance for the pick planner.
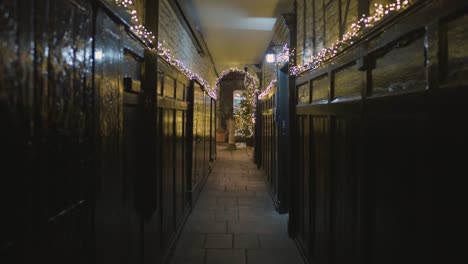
(234, 220)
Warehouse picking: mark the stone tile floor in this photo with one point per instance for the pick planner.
(234, 220)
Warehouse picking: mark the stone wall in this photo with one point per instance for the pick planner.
(177, 39)
(300, 31)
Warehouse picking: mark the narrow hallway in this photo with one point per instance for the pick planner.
(116, 116)
(234, 220)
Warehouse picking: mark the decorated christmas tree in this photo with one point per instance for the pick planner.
(244, 115)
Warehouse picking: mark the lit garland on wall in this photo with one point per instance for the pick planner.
(284, 55)
(148, 37)
(326, 54)
(268, 89)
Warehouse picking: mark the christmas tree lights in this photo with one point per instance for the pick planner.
(244, 116)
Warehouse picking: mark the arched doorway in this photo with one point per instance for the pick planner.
(242, 87)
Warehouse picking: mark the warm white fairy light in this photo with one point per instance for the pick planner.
(268, 89)
(356, 30)
(284, 54)
(249, 82)
(148, 37)
(250, 92)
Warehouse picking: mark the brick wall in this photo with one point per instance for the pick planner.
(300, 31)
(322, 22)
(309, 9)
(140, 7)
(176, 38)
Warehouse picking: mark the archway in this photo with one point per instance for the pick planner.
(228, 82)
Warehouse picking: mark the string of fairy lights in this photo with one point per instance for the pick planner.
(244, 115)
(284, 55)
(357, 29)
(267, 90)
(326, 54)
(287, 54)
(249, 79)
(149, 38)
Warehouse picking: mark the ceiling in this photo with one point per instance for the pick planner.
(237, 31)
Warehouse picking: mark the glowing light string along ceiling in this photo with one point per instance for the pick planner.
(149, 38)
(326, 54)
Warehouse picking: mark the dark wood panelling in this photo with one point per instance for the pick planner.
(47, 131)
(213, 133)
(206, 135)
(148, 155)
(456, 37)
(96, 160)
(344, 188)
(110, 212)
(307, 207)
(169, 89)
(180, 91)
(275, 141)
(269, 139)
(171, 103)
(320, 132)
(179, 164)
(347, 83)
(401, 68)
(131, 179)
(167, 176)
(198, 130)
(175, 172)
(320, 88)
(303, 93)
(159, 84)
(366, 165)
(202, 138)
